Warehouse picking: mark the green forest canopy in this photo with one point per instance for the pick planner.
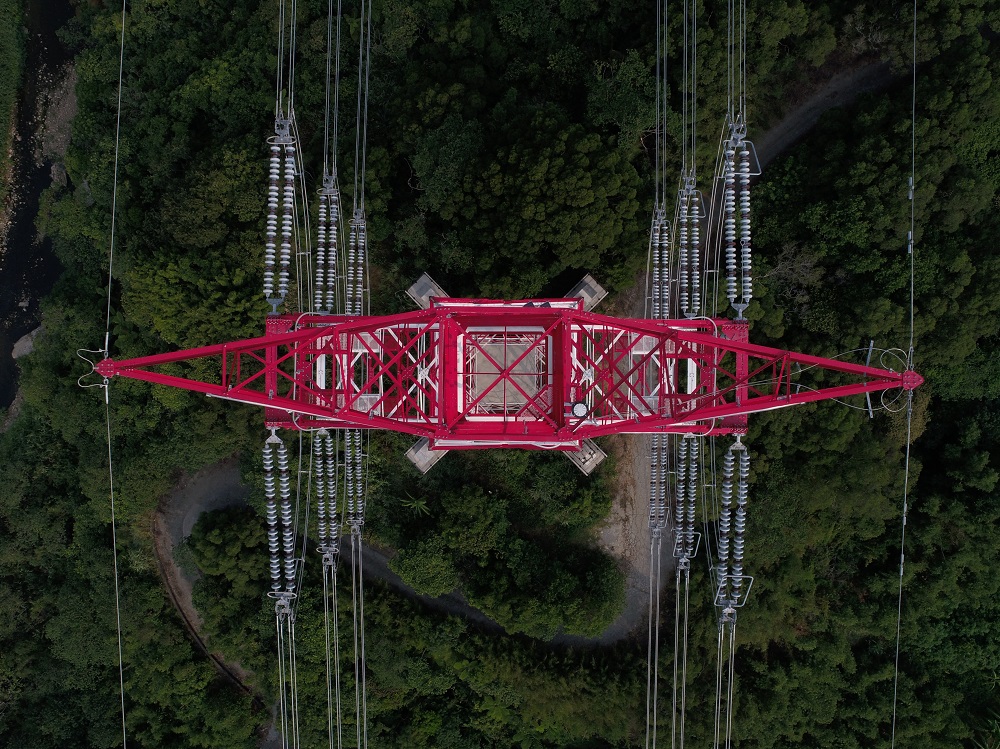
(513, 87)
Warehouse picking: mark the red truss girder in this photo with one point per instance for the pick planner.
(540, 373)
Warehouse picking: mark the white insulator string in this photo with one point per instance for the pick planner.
(694, 253)
(271, 230)
(270, 494)
(742, 492)
(730, 594)
(319, 474)
(321, 229)
(287, 218)
(681, 490)
(667, 302)
(287, 532)
(657, 300)
(725, 525)
(692, 494)
(729, 219)
(333, 259)
(654, 255)
(352, 255)
(746, 265)
(356, 264)
(332, 274)
(332, 450)
(684, 290)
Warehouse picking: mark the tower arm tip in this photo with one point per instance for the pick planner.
(106, 368)
(911, 380)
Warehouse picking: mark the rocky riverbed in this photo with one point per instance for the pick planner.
(42, 128)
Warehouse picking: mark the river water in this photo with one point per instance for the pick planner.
(28, 267)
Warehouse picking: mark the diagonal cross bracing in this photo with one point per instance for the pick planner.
(531, 374)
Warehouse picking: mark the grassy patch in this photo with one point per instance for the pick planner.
(11, 68)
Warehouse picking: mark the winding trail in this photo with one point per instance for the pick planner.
(624, 534)
(212, 488)
(840, 90)
(219, 486)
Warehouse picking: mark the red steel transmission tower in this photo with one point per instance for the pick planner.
(535, 374)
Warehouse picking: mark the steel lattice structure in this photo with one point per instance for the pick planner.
(536, 374)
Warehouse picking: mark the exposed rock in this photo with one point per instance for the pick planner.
(12, 412)
(58, 173)
(59, 109)
(26, 343)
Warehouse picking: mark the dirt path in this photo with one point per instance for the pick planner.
(212, 488)
(219, 486)
(840, 90)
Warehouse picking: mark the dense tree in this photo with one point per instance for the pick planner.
(508, 154)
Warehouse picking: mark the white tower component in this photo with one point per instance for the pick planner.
(684, 271)
(272, 514)
(747, 271)
(694, 254)
(287, 218)
(271, 230)
(729, 218)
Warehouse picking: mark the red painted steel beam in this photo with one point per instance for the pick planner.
(409, 373)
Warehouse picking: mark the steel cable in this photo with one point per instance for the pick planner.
(106, 352)
(909, 358)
